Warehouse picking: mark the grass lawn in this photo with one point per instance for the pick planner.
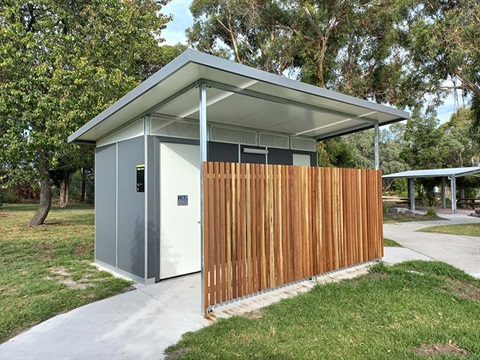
(461, 229)
(45, 270)
(391, 243)
(394, 218)
(402, 312)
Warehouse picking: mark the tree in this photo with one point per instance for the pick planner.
(250, 32)
(348, 46)
(61, 64)
(441, 39)
(459, 147)
(422, 138)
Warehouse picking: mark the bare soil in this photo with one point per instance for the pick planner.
(464, 290)
(440, 349)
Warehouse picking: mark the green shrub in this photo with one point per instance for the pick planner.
(387, 205)
(431, 211)
(10, 197)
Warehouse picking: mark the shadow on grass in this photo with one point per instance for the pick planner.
(54, 208)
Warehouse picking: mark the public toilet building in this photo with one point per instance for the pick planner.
(210, 166)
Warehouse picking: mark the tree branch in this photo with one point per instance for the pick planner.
(312, 21)
(469, 84)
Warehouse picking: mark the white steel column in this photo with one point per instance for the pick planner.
(377, 149)
(444, 194)
(411, 193)
(453, 196)
(146, 132)
(203, 157)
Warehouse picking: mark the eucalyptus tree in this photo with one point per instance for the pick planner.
(61, 63)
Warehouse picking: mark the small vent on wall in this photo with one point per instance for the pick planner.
(273, 140)
(305, 144)
(178, 129)
(231, 135)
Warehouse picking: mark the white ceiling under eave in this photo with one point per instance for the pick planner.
(241, 96)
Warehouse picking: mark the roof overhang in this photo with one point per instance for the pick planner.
(241, 96)
(450, 172)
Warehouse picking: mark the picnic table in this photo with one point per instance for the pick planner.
(469, 202)
(398, 201)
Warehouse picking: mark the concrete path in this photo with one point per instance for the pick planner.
(136, 325)
(460, 251)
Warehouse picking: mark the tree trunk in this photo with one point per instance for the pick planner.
(62, 201)
(84, 185)
(45, 196)
(64, 187)
(67, 189)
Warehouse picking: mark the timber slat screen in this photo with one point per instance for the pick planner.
(269, 225)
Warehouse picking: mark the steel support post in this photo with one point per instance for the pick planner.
(453, 196)
(203, 157)
(411, 193)
(146, 132)
(444, 195)
(377, 149)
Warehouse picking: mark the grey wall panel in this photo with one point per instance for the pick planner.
(131, 209)
(105, 204)
(280, 156)
(222, 152)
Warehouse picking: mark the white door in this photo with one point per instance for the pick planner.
(179, 209)
(301, 160)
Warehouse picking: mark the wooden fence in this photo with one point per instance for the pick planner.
(269, 225)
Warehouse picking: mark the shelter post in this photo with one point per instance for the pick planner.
(377, 150)
(203, 157)
(146, 132)
(444, 194)
(411, 193)
(453, 191)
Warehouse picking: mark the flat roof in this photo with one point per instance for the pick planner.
(455, 172)
(241, 96)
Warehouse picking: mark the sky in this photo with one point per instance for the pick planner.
(182, 19)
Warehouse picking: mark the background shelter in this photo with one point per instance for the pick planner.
(150, 212)
(451, 174)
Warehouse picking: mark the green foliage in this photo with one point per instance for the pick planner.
(62, 63)
(10, 196)
(431, 211)
(459, 146)
(247, 31)
(442, 40)
(422, 138)
(76, 187)
(335, 152)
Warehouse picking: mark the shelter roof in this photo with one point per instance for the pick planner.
(455, 172)
(239, 95)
